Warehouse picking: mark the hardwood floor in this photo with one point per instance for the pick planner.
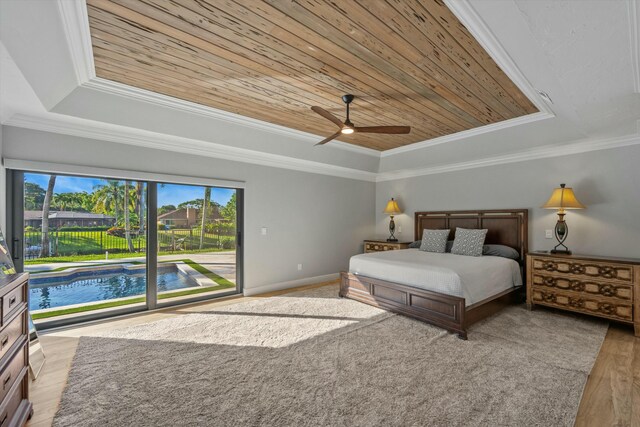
(611, 396)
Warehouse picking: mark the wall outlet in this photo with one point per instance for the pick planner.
(548, 234)
(263, 231)
(299, 267)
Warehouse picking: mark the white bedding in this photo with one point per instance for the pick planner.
(472, 278)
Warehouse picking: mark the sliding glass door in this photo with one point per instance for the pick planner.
(196, 241)
(97, 247)
(84, 243)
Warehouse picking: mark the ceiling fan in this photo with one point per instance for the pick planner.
(348, 128)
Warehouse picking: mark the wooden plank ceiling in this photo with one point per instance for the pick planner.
(409, 62)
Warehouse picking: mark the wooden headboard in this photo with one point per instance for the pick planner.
(509, 227)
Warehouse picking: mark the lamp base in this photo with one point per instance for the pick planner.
(392, 240)
(560, 251)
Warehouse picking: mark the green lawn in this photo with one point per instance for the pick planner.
(73, 243)
(220, 281)
(101, 257)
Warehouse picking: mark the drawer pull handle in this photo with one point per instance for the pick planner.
(12, 301)
(4, 341)
(6, 381)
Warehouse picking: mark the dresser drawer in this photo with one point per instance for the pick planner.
(12, 371)
(377, 247)
(380, 247)
(13, 301)
(12, 332)
(581, 302)
(588, 286)
(586, 269)
(11, 404)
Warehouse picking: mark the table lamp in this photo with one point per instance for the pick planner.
(392, 209)
(562, 198)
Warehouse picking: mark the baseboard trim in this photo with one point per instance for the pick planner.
(290, 284)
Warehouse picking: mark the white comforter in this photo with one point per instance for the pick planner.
(472, 278)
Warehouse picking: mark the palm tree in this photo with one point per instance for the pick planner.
(46, 206)
(127, 231)
(205, 205)
(106, 197)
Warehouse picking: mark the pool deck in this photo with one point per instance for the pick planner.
(221, 263)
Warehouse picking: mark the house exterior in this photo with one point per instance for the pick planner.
(180, 218)
(187, 217)
(59, 219)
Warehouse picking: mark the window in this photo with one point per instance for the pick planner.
(196, 241)
(87, 244)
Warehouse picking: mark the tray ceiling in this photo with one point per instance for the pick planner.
(408, 62)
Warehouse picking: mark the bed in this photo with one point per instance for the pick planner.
(446, 290)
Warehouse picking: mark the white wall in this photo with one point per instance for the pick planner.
(316, 220)
(3, 190)
(607, 182)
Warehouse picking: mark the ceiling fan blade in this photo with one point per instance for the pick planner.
(327, 115)
(383, 129)
(324, 141)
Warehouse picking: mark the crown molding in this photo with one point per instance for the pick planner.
(78, 127)
(522, 156)
(75, 20)
(529, 118)
(634, 41)
(131, 136)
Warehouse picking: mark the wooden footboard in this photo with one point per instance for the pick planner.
(445, 311)
(438, 309)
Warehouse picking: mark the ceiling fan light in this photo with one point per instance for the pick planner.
(347, 130)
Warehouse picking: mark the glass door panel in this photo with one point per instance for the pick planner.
(84, 244)
(196, 242)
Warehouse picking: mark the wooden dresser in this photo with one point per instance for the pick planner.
(383, 245)
(600, 286)
(15, 407)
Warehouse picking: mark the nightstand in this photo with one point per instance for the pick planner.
(599, 286)
(383, 245)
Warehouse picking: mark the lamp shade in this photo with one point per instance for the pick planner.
(563, 198)
(392, 208)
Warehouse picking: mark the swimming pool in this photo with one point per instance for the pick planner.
(86, 286)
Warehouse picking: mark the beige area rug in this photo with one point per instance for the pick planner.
(312, 359)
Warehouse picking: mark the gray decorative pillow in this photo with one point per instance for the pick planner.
(468, 242)
(501, 250)
(415, 245)
(434, 241)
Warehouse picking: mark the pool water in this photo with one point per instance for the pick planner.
(46, 294)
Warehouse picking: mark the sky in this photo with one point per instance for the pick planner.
(168, 194)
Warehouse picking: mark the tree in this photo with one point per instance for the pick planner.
(228, 212)
(33, 196)
(46, 206)
(106, 197)
(70, 201)
(127, 225)
(205, 205)
(197, 203)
